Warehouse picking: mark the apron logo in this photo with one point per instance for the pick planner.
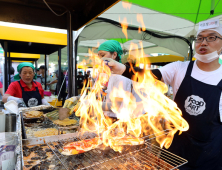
(194, 105)
(32, 102)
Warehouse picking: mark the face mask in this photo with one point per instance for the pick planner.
(207, 58)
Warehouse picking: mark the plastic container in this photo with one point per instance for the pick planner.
(8, 144)
(58, 103)
(12, 106)
(48, 99)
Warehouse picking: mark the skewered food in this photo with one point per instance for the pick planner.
(65, 122)
(89, 144)
(81, 146)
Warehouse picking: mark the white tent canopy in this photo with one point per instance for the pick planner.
(101, 30)
(148, 48)
(154, 20)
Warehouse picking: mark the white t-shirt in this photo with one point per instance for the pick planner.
(174, 73)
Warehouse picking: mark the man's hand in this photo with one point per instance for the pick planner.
(116, 67)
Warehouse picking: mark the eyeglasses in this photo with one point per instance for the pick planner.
(208, 39)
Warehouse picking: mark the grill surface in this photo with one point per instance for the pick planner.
(145, 157)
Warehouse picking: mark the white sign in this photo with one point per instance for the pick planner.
(209, 24)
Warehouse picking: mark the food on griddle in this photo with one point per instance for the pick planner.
(48, 150)
(43, 145)
(41, 153)
(39, 157)
(33, 114)
(65, 122)
(44, 168)
(30, 162)
(81, 146)
(35, 168)
(46, 132)
(26, 152)
(45, 163)
(35, 158)
(34, 148)
(44, 157)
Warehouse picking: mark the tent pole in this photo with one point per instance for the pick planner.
(9, 65)
(36, 66)
(6, 65)
(59, 69)
(71, 90)
(75, 67)
(192, 38)
(45, 71)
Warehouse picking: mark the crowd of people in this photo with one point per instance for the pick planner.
(31, 82)
(83, 79)
(16, 90)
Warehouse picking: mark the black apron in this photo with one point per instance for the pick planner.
(31, 98)
(201, 145)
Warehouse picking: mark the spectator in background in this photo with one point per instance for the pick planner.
(87, 77)
(42, 78)
(53, 86)
(80, 79)
(12, 71)
(60, 88)
(38, 72)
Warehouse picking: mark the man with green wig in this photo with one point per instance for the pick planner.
(25, 90)
(110, 49)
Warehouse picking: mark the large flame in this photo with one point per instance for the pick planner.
(126, 5)
(140, 20)
(144, 110)
(124, 26)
